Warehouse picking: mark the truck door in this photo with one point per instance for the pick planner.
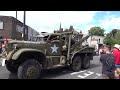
(54, 48)
(54, 51)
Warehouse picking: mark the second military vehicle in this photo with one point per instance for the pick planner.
(28, 58)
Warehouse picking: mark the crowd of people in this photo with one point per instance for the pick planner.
(110, 59)
(3, 45)
(2, 48)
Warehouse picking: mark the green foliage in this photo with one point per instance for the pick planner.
(117, 37)
(96, 31)
(110, 40)
(114, 31)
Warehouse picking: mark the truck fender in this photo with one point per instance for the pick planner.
(73, 54)
(17, 54)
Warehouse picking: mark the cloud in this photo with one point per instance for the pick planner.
(110, 22)
(7, 13)
(50, 20)
(108, 12)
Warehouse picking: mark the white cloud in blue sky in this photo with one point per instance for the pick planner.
(81, 20)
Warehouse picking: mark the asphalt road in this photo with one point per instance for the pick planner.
(94, 72)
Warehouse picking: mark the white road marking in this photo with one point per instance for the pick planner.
(77, 72)
(98, 75)
(85, 74)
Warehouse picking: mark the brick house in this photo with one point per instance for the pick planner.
(12, 28)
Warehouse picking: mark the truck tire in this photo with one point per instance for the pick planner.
(76, 64)
(10, 67)
(30, 69)
(86, 62)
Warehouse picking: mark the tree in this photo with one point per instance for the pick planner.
(108, 39)
(96, 31)
(114, 31)
(117, 37)
(111, 39)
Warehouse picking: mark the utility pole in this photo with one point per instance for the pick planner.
(24, 25)
(16, 14)
(16, 27)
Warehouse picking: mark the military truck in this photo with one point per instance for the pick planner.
(29, 58)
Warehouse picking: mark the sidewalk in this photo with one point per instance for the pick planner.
(2, 62)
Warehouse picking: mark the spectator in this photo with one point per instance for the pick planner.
(3, 47)
(0, 49)
(117, 73)
(101, 51)
(111, 50)
(116, 53)
(108, 64)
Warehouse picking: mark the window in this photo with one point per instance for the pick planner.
(99, 40)
(54, 37)
(19, 29)
(1, 25)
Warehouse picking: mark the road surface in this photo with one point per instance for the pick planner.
(94, 72)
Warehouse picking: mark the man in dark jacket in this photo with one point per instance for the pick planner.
(108, 64)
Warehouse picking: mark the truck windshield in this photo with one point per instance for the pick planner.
(39, 38)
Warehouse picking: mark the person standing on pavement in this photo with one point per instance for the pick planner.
(3, 47)
(101, 51)
(116, 53)
(108, 64)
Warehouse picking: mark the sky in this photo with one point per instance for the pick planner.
(48, 21)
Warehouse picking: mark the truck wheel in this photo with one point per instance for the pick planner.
(30, 69)
(86, 62)
(76, 64)
(10, 67)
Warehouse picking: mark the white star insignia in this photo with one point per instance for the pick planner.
(54, 48)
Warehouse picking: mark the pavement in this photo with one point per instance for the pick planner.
(94, 72)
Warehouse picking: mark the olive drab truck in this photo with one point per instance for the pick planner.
(51, 50)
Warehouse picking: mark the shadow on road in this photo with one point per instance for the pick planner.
(47, 74)
(94, 65)
(55, 73)
(12, 76)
